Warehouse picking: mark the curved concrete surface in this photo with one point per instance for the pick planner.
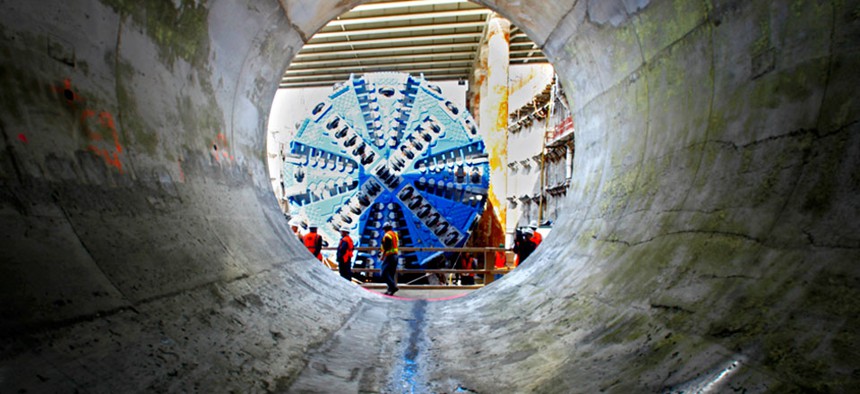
(710, 242)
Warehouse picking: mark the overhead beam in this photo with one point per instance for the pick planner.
(387, 50)
(409, 16)
(324, 83)
(399, 29)
(381, 41)
(405, 4)
(405, 70)
(389, 65)
(300, 63)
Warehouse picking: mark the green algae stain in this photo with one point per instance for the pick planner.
(617, 191)
(133, 123)
(179, 32)
(763, 42)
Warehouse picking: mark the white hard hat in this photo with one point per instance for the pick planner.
(529, 231)
(387, 225)
(533, 224)
(295, 222)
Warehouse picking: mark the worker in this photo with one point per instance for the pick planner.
(390, 253)
(501, 261)
(313, 242)
(467, 262)
(295, 224)
(344, 254)
(537, 237)
(526, 246)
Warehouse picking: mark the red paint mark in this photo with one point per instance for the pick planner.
(96, 132)
(105, 122)
(111, 159)
(220, 144)
(22, 138)
(92, 135)
(67, 92)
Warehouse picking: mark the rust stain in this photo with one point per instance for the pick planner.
(519, 83)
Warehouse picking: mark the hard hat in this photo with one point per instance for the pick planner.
(312, 226)
(387, 225)
(529, 231)
(533, 225)
(295, 222)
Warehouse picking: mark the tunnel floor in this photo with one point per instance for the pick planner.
(376, 350)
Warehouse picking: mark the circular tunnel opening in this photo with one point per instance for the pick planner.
(421, 152)
(712, 245)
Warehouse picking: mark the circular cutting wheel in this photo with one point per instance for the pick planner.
(389, 147)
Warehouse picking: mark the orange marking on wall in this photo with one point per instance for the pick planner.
(86, 114)
(111, 159)
(66, 91)
(94, 132)
(104, 121)
(220, 144)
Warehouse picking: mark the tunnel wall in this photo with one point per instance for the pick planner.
(141, 238)
(709, 241)
(711, 235)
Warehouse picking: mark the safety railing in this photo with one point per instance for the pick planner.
(486, 265)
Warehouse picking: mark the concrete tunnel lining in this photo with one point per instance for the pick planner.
(712, 222)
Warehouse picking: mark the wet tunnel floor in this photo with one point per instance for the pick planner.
(378, 349)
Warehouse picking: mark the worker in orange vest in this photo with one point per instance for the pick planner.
(313, 242)
(501, 261)
(467, 262)
(524, 245)
(344, 254)
(390, 253)
(537, 237)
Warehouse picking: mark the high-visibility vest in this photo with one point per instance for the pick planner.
(394, 244)
(347, 256)
(310, 241)
(501, 260)
(536, 238)
(467, 265)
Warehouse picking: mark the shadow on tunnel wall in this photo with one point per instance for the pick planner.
(710, 240)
